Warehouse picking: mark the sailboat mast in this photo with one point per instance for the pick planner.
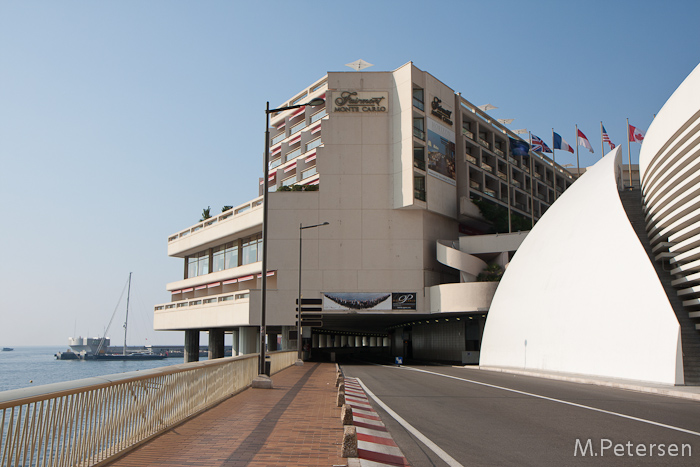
(128, 294)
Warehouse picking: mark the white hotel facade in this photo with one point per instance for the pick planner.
(397, 158)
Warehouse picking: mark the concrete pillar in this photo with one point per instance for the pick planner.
(336, 341)
(358, 341)
(386, 342)
(191, 345)
(365, 341)
(248, 340)
(343, 341)
(372, 341)
(216, 343)
(288, 344)
(234, 342)
(314, 341)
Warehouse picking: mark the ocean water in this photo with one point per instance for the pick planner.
(34, 366)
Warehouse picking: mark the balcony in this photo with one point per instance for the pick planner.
(418, 104)
(229, 309)
(487, 167)
(484, 143)
(538, 176)
(489, 192)
(468, 134)
(499, 152)
(419, 164)
(318, 116)
(502, 176)
(217, 229)
(474, 185)
(515, 183)
(471, 159)
(419, 194)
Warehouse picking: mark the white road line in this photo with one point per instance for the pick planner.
(432, 446)
(650, 422)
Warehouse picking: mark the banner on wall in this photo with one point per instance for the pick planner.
(441, 152)
(370, 301)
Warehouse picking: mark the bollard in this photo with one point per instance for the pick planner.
(338, 380)
(349, 441)
(341, 387)
(341, 398)
(346, 414)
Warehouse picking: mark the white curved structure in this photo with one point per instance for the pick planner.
(581, 295)
(669, 165)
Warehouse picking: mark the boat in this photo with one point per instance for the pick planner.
(143, 355)
(94, 348)
(7, 349)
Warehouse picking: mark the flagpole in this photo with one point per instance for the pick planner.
(554, 165)
(629, 156)
(578, 166)
(532, 183)
(602, 148)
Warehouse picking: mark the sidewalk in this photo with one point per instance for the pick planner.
(295, 424)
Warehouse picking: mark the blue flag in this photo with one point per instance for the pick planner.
(519, 147)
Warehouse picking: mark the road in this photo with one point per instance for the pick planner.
(486, 418)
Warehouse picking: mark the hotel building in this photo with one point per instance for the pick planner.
(394, 162)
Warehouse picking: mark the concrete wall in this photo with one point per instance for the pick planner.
(581, 295)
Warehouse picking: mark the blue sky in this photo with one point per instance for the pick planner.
(121, 120)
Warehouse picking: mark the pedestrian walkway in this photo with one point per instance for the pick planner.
(375, 446)
(295, 424)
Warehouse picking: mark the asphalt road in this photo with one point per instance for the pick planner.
(478, 418)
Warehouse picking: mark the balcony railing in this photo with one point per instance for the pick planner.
(92, 421)
(487, 167)
(318, 116)
(489, 192)
(418, 104)
(471, 159)
(419, 194)
(475, 185)
(499, 152)
(484, 143)
(419, 163)
(468, 134)
(223, 216)
(502, 176)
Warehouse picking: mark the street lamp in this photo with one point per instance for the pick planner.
(262, 380)
(300, 361)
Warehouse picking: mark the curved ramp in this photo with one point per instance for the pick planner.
(448, 253)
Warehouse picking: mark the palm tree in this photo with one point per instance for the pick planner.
(206, 214)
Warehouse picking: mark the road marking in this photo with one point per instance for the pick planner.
(432, 446)
(595, 409)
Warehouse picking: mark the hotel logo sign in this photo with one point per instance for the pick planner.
(440, 112)
(360, 102)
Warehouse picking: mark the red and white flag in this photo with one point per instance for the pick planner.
(635, 134)
(583, 141)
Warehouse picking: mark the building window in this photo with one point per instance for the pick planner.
(419, 187)
(308, 173)
(251, 250)
(318, 115)
(225, 257)
(419, 128)
(467, 130)
(418, 99)
(198, 264)
(419, 157)
(278, 138)
(297, 127)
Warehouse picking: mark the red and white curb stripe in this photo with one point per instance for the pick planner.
(375, 446)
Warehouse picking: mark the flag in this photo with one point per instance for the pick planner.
(539, 145)
(606, 138)
(635, 134)
(583, 141)
(519, 147)
(559, 143)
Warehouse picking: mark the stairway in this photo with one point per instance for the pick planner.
(690, 337)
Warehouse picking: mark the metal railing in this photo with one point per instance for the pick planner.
(91, 421)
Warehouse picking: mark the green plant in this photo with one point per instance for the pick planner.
(298, 188)
(226, 208)
(491, 273)
(206, 214)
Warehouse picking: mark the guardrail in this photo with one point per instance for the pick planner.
(91, 421)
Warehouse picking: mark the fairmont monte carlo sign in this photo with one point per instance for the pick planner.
(360, 102)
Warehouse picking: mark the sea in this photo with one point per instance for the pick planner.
(26, 367)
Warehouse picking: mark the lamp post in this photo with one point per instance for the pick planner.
(263, 380)
(300, 361)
